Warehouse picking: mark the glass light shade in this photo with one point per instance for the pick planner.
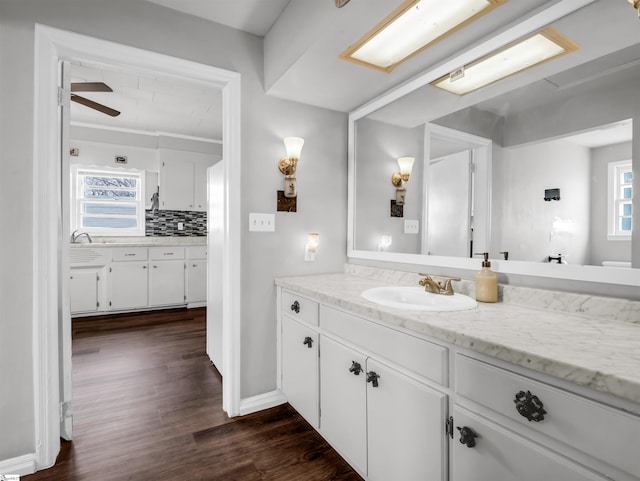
(406, 165)
(313, 241)
(534, 50)
(293, 146)
(385, 241)
(412, 27)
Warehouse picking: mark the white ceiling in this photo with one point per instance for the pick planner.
(302, 40)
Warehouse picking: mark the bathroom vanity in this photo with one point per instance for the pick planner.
(541, 385)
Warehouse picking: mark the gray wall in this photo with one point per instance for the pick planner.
(379, 145)
(265, 121)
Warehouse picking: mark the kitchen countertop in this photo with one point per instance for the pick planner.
(141, 241)
(599, 351)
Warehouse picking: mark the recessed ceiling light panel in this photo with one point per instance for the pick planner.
(412, 27)
(534, 50)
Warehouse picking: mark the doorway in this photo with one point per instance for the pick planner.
(51, 342)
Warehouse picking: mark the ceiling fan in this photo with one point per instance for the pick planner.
(92, 87)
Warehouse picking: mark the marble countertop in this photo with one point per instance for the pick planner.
(597, 351)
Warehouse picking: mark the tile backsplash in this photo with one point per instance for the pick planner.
(164, 223)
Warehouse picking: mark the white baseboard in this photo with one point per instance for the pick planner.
(21, 465)
(261, 402)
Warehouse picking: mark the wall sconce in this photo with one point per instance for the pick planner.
(288, 164)
(313, 240)
(385, 242)
(398, 179)
(635, 4)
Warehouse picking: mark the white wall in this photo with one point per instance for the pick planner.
(379, 145)
(265, 121)
(520, 178)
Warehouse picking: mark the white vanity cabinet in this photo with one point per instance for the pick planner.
(166, 276)
(84, 288)
(196, 283)
(568, 428)
(128, 278)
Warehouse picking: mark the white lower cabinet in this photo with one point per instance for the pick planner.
(499, 454)
(300, 368)
(128, 285)
(166, 283)
(383, 422)
(84, 289)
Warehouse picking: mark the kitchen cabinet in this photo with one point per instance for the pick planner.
(128, 285)
(183, 180)
(300, 368)
(166, 276)
(196, 275)
(84, 288)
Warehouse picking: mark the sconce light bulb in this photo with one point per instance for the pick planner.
(385, 241)
(293, 145)
(313, 240)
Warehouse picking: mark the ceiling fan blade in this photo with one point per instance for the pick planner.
(90, 87)
(95, 105)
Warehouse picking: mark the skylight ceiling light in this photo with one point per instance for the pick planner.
(534, 50)
(412, 27)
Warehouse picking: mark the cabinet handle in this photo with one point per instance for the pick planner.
(308, 342)
(144, 267)
(355, 368)
(155, 267)
(529, 406)
(467, 436)
(373, 377)
(295, 307)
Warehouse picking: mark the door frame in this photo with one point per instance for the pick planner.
(52, 46)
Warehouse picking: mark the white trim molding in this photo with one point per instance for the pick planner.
(51, 47)
(21, 465)
(262, 401)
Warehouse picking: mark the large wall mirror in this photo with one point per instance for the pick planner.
(537, 168)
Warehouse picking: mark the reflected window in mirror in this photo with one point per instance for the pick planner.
(620, 200)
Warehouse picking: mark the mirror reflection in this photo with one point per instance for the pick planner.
(536, 167)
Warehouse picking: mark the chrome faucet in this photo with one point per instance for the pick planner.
(75, 235)
(437, 284)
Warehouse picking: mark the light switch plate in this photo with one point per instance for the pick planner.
(262, 222)
(411, 226)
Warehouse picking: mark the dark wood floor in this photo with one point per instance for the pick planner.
(147, 406)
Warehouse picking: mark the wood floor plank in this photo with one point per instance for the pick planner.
(148, 407)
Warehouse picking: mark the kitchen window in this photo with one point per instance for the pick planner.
(620, 200)
(107, 202)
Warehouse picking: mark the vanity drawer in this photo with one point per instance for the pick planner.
(129, 254)
(197, 252)
(298, 307)
(417, 355)
(166, 253)
(608, 434)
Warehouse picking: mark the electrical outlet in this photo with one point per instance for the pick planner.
(180, 225)
(411, 226)
(262, 222)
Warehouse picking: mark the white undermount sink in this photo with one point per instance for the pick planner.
(416, 298)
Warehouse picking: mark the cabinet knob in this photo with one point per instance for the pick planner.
(355, 368)
(467, 436)
(529, 406)
(295, 307)
(308, 342)
(144, 267)
(373, 377)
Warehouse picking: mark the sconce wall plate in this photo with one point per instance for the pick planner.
(397, 210)
(286, 204)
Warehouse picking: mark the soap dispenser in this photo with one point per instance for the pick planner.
(486, 282)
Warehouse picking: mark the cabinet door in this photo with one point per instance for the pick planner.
(83, 290)
(166, 283)
(200, 186)
(176, 183)
(196, 281)
(406, 435)
(343, 418)
(128, 283)
(502, 454)
(300, 368)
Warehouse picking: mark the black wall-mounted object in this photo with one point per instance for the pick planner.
(396, 210)
(551, 194)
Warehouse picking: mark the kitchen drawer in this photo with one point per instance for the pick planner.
(129, 254)
(166, 253)
(88, 256)
(197, 252)
(298, 307)
(417, 355)
(607, 434)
